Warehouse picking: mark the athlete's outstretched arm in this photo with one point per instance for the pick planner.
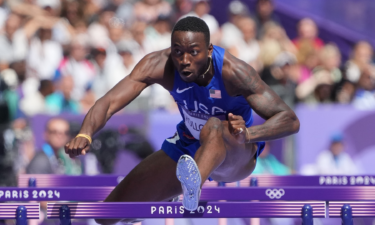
(280, 121)
(117, 98)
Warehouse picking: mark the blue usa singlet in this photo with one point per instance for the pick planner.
(198, 103)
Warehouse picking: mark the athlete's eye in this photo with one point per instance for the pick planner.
(178, 52)
(194, 52)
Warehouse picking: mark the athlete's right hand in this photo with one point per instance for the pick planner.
(77, 146)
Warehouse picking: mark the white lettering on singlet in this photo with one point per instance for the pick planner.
(196, 119)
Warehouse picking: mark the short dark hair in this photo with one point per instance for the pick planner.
(193, 24)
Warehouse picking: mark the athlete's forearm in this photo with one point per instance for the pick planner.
(280, 125)
(96, 118)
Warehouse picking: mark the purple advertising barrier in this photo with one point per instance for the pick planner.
(358, 193)
(8, 210)
(359, 209)
(176, 210)
(46, 180)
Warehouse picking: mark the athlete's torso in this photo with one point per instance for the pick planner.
(198, 103)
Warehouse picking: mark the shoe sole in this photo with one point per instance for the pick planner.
(189, 176)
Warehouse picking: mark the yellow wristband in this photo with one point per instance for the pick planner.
(85, 136)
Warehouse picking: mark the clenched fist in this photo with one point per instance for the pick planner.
(237, 127)
(77, 146)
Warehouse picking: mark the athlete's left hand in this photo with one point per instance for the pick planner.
(237, 128)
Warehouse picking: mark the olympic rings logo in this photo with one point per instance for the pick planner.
(275, 193)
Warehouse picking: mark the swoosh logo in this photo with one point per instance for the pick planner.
(182, 90)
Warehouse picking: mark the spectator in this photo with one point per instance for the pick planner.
(307, 30)
(44, 55)
(345, 92)
(264, 14)
(308, 59)
(78, 67)
(99, 31)
(230, 30)
(127, 60)
(61, 101)
(364, 96)
(201, 9)
(160, 33)
(278, 77)
(335, 161)
(52, 158)
(267, 163)
(13, 41)
(246, 48)
(4, 11)
(124, 11)
(149, 10)
(34, 104)
(108, 73)
(319, 86)
(361, 59)
(116, 35)
(139, 44)
(10, 93)
(73, 11)
(273, 31)
(180, 8)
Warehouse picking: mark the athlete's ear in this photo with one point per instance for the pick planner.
(210, 49)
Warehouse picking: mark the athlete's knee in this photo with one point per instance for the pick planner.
(213, 127)
(214, 124)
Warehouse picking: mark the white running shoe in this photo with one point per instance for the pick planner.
(189, 176)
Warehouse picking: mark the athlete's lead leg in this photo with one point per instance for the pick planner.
(212, 151)
(152, 180)
(193, 173)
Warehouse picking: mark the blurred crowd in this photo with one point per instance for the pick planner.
(60, 56)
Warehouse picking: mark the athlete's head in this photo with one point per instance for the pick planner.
(191, 47)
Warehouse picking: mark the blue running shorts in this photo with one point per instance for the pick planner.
(184, 143)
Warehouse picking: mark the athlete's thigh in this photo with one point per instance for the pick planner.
(239, 161)
(153, 179)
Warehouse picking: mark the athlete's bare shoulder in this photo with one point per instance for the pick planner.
(156, 67)
(238, 76)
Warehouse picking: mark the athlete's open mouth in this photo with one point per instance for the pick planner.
(186, 73)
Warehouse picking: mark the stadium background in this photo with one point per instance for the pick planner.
(58, 57)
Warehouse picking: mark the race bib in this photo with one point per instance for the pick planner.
(195, 121)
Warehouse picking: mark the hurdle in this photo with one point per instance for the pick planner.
(356, 193)
(348, 210)
(176, 210)
(44, 180)
(21, 212)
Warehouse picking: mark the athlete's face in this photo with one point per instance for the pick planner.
(190, 54)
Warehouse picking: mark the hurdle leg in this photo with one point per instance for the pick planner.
(307, 215)
(346, 215)
(254, 182)
(64, 214)
(21, 215)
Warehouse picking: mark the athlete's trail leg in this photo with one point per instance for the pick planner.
(152, 180)
(212, 151)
